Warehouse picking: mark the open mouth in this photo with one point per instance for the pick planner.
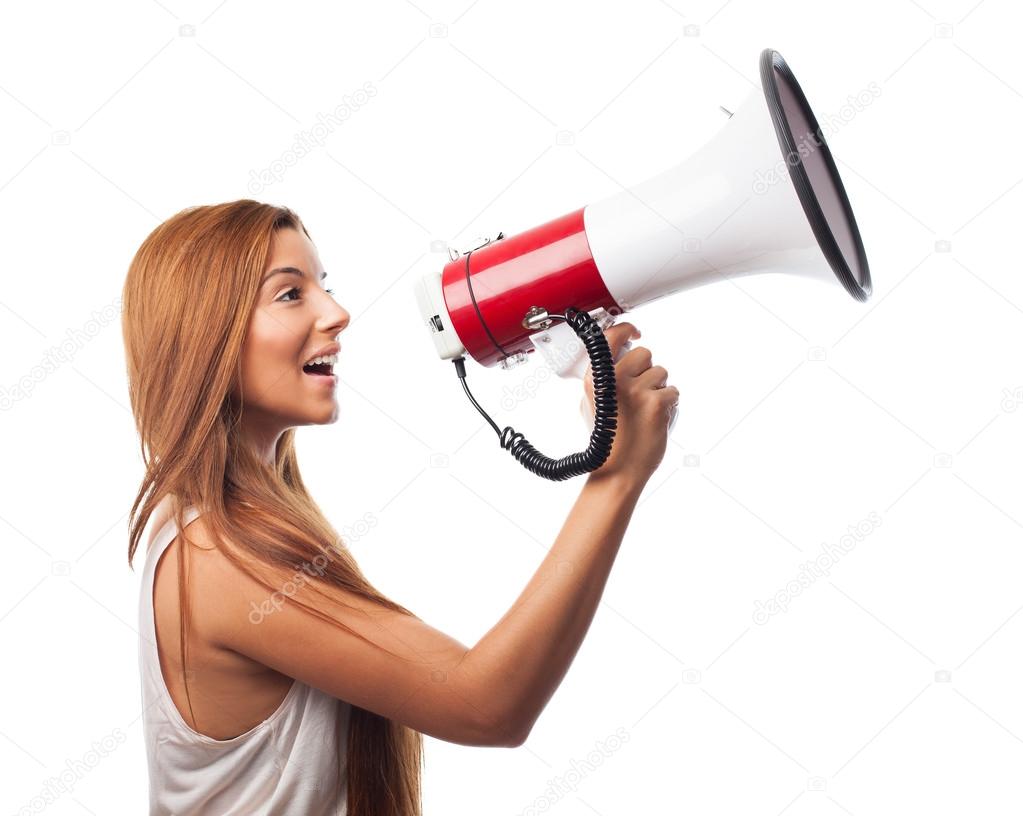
(319, 369)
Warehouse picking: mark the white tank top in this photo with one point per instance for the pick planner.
(291, 763)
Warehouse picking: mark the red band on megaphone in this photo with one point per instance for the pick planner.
(549, 266)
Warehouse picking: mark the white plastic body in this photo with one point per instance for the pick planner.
(729, 209)
(434, 313)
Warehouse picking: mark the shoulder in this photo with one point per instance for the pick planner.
(233, 586)
(198, 531)
(199, 534)
(221, 570)
(219, 589)
(158, 519)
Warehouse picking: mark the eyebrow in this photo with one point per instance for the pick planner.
(287, 270)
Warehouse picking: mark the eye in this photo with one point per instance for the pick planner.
(284, 298)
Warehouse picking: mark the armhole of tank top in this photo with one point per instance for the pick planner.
(165, 701)
(160, 545)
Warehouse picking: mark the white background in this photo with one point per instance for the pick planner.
(890, 686)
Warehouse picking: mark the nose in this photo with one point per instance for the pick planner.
(335, 318)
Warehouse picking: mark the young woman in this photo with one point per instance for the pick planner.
(275, 678)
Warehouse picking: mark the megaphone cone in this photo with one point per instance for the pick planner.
(763, 195)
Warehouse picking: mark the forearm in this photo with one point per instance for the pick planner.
(524, 657)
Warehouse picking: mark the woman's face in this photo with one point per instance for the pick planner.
(295, 317)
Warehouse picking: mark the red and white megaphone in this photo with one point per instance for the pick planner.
(763, 195)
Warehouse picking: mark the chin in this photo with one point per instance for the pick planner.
(326, 417)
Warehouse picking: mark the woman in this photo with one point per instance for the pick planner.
(276, 679)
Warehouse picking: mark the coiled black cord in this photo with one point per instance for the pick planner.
(605, 409)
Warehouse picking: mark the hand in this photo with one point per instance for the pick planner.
(644, 408)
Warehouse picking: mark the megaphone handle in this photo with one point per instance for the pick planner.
(602, 434)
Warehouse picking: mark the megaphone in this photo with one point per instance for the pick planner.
(763, 195)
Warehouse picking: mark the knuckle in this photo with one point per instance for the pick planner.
(633, 389)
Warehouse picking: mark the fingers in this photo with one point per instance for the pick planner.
(670, 393)
(653, 384)
(653, 377)
(618, 335)
(634, 362)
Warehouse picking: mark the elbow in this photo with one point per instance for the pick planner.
(513, 734)
(515, 738)
(509, 738)
(500, 732)
(495, 718)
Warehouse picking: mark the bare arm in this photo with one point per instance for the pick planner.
(526, 655)
(489, 695)
(492, 693)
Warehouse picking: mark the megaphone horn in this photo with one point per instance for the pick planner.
(763, 195)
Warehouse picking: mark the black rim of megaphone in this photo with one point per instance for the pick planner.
(769, 60)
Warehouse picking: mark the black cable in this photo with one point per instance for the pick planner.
(605, 400)
(476, 306)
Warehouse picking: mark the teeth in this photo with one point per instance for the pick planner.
(330, 359)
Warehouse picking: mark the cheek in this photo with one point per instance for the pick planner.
(268, 356)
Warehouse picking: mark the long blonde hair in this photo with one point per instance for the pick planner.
(188, 296)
